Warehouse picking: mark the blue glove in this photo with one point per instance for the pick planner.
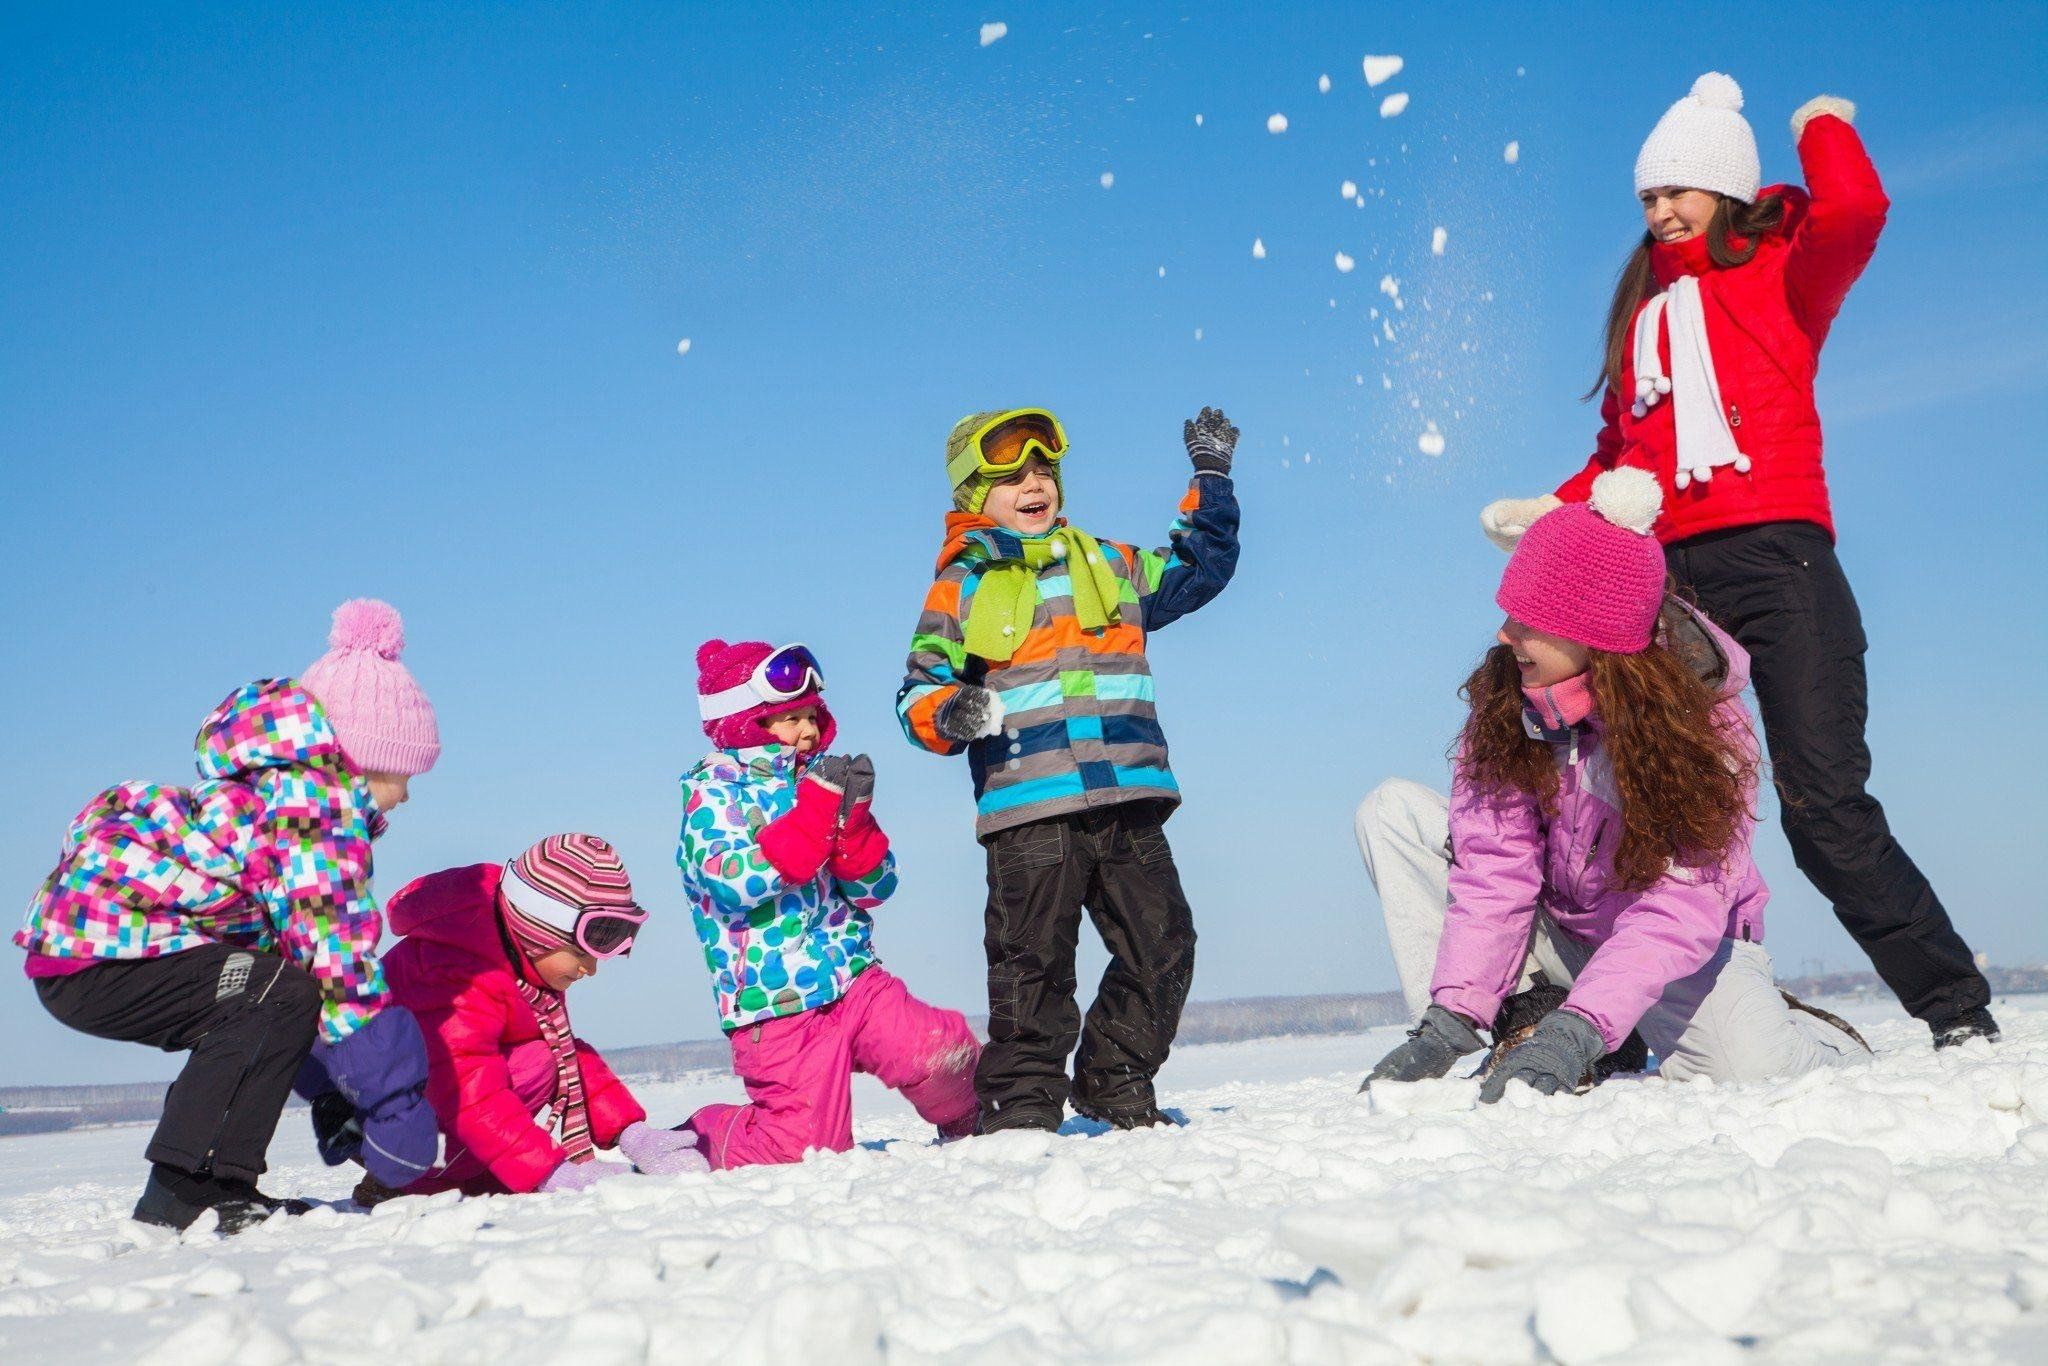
(380, 1074)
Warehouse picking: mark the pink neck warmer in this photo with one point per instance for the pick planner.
(1562, 704)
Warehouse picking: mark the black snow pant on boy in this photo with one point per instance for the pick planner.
(248, 1019)
(1115, 862)
(1780, 591)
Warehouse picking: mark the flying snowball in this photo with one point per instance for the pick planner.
(1258, 248)
(1392, 105)
(1379, 70)
(683, 347)
(1107, 179)
(1323, 84)
(1277, 124)
(1344, 264)
(991, 32)
(1198, 120)
(1431, 442)
(1348, 190)
(1511, 153)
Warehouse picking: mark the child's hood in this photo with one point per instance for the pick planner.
(457, 907)
(271, 723)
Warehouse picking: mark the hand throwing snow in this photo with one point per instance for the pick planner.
(970, 714)
(1211, 441)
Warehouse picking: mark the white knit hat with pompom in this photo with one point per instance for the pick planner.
(1703, 143)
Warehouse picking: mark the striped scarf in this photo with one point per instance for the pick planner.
(551, 1009)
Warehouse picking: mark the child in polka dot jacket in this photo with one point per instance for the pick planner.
(783, 861)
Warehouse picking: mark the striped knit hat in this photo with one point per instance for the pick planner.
(548, 886)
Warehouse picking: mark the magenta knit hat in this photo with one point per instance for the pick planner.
(721, 666)
(1592, 572)
(559, 878)
(384, 721)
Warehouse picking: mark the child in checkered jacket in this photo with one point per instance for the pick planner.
(234, 920)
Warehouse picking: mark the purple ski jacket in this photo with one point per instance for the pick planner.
(1510, 859)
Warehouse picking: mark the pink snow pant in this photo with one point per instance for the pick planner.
(799, 1074)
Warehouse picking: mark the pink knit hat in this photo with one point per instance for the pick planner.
(384, 721)
(1592, 572)
(721, 666)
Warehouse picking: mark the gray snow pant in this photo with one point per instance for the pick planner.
(1726, 1021)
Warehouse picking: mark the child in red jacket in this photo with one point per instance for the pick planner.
(488, 953)
(1712, 343)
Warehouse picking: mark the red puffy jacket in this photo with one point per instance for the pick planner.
(1766, 321)
(453, 969)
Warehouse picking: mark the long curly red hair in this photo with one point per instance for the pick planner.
(1685, 781)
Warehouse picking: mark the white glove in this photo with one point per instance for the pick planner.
(1821, 104)
(1505, 519)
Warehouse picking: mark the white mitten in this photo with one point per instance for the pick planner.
(1505, 519)
(1842, 109)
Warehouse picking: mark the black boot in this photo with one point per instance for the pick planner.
(1143, 1117)
(1020, 1117)
(1971, 1024)
(175, 1199)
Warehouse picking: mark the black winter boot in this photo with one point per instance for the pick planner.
(1143, 1117)
(175, 1199)
(1971, 1024)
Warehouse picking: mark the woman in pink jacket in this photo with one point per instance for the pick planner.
(1598, 831)
(487, 957)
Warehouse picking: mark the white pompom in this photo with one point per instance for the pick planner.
(1644, 384)
(1681, 479)
(1718, 91)
(1663, 385)
(1742, 464)
(1630, 498)
(1639, 410)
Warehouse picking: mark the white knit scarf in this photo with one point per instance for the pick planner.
(1705, 440)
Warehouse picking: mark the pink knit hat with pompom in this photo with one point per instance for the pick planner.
(384, 721)
(721, 666)
(1592, 572)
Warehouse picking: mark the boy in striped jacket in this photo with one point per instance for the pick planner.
(1030, 658)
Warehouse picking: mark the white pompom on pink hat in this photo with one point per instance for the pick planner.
(383, 720)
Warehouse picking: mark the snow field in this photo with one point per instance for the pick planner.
(1895, 1211)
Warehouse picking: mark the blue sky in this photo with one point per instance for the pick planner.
(302, 306)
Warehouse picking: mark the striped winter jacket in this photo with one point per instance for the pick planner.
(1079, 726)
(270, 851)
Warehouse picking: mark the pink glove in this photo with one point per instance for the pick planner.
(662, 1152)
(799, 841)
(581, 1176)
(862, 846)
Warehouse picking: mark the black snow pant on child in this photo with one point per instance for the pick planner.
(1114, 861)
(248, 1019)
(1780, 591)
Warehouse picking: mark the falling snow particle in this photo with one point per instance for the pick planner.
(1323, 84)
(1393, 104)
(1511, 153)
(1344, 263)
(1379, 70)
(1349, 189)
(991, 32)
(1162, 272)
(1390, 287)
(1258, 248)
(1198, 120)
(1277, 123)
(683, 347)
(1198, 334)
(1436, 242)
(1431, 442)
(1108, 179)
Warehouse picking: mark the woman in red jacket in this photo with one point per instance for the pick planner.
(1712, 342)
(487, 955)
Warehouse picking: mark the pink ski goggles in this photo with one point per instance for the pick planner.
(600, 931)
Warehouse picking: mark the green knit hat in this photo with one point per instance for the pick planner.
(970, 493)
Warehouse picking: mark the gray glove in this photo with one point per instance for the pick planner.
(1211, 441)
(1432, 1048)
(969, 714)
(833, 770)
(1555, 1058)
(860, 783)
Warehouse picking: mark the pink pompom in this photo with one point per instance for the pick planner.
(368, 624)
(710, 650)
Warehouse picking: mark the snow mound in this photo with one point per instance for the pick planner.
(991, 32)
(1379, 70)
(1888, 1212)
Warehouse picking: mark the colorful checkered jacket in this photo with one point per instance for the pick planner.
(774, 948)
(1080, 729)
(269, 851)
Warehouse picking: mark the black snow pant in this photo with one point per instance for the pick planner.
(1780, 591)
(248, 1019)
(1114, 861)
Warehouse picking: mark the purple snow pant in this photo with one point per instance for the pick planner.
(799, 1074)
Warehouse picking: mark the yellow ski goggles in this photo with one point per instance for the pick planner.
(1006, 441)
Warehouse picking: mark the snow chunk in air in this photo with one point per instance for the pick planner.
(1392, 105)
(1107, 178)
(1379, 70)
(1348, 190)
(683, 347)
(1431, 442)
(1276, 123)
(1511, 153)
(1258, 248)
(1322, 85)
(991, 32)
(1344, 264)
(1436, 242)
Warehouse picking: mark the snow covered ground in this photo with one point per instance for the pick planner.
(1896, 1211)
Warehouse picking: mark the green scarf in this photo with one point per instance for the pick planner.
(1006, 599)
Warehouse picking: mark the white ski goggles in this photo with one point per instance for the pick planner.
(784, 676)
